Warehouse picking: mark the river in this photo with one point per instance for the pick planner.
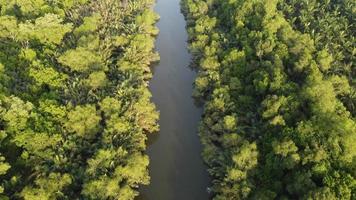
(176, 168)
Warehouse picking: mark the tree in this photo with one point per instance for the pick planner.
(47, 187)
(75, 106)
(81, 60)
(83, 121)
(273, 71)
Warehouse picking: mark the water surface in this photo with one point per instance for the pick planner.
(176, 167)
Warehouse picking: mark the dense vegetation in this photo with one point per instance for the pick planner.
(276, 78)
(332, 26)
(74, 103)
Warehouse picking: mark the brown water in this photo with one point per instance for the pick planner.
(176, 167)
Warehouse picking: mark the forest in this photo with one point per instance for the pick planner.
(75, 108)
(277, 79)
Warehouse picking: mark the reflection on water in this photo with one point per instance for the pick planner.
(176, 167)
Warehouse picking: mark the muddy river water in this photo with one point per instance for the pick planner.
(176, 168)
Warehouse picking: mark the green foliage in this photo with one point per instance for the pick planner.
(97, 79)
(8, 26)
(84, 121)
(89, 25)
(331, 25)
(47, 188)
(17, 114)
(47, 75)
(3, 169)
(277, 88)
(47, 29)
(81, 60)
(74, 103)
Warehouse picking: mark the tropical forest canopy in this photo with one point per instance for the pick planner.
(277, 81)
(74, 103)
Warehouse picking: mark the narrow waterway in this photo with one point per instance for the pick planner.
(176, 167)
